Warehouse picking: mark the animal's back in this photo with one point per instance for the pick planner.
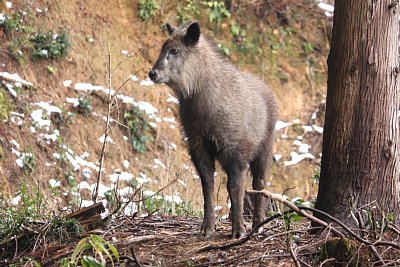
(234, 111)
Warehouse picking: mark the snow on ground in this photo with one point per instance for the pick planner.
(328, 8)
(15, 78)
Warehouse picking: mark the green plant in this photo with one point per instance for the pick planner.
(11, 24)
(148, 8)
(29, 161)
(13, 217)
(4, 106)
(64, 229)
(26, 262)
(50, 45)
(85, 105)
(216, 12)
(51, 69)
(224, 49)
(100, 247)
(188, 11)
(18, 47)
(140, 130)
(315, 176)
(236, 30)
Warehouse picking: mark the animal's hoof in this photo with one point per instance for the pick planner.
(238, 233)
(255, 224)
(207, 230)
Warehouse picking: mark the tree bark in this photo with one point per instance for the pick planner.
(360, 155)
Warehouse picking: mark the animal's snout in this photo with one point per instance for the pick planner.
(152, 75)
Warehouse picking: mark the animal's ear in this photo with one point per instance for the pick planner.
(192, 34)
(170, 28)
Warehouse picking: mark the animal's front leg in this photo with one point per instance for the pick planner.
(236, 192)
(205, 166)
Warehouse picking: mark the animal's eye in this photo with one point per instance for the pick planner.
(174, 51)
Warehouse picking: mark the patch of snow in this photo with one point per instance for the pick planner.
(308, 128)
(125, 138)
(125, 164)
(123, 176)
(33, 130)
(296, 158)
(14, 143)
(86, 173)
(72, 160)
(130, 209)
(9, 4)
(172, 99)
(84, 185)
(56, 155)
(146, 82)
(85, 155)
(148, 108)
(2, 18)
(134, 78)
(10, 88)
(303, 148)
(296, 121)
(53, 136)
(54, 183)
(217, 208)
(170, 120)
(126, 99)
(15, 78)
(277, 157)
(186, 167)
(159, 162)
(73, 101)
(15, 201)
(124, 52)
(49, 108)
(67, 83)
(37, 116)
(17, 120)
(102, 189)
(174, 198)
(173, 146)
(142, 179)
(19, 162)
(87, 87)
(38, 10)
(18, 114)
(108, 139)
(281, 125)
(326, 7)
(86, 203)
(318, 129)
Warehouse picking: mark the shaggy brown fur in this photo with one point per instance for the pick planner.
(227, 115)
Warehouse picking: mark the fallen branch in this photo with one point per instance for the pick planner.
(301, 212)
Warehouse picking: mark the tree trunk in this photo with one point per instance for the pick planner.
(360, 155)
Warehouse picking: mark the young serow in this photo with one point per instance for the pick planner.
(227, 115)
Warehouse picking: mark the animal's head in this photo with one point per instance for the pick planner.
(175, 52)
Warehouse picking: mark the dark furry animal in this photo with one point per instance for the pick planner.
(227, 116)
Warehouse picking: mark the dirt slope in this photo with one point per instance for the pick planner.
(94, 29)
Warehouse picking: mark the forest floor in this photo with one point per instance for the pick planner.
(157, 240)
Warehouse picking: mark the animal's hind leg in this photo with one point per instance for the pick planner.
(205, 166)
(235, 170)
(259, 167)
